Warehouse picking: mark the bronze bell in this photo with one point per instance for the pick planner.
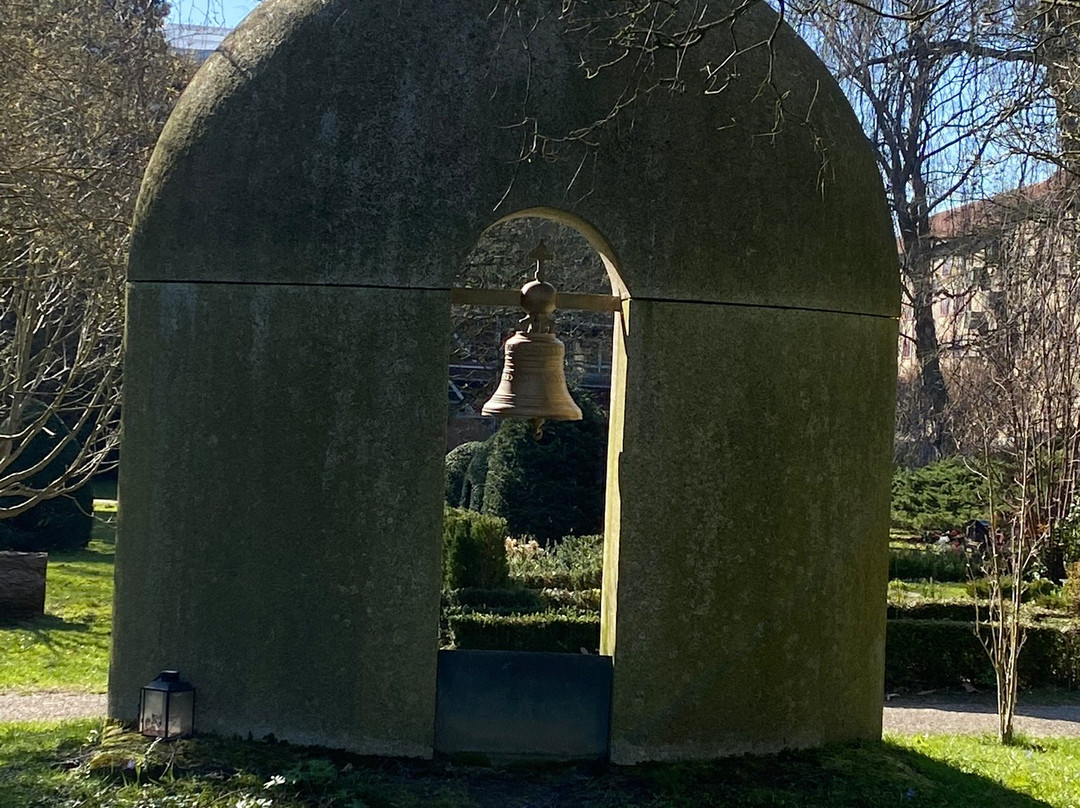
(533, 383)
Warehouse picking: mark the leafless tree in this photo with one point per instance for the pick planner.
(84, 90)
(940, 88)
(1017, 407)
(950, 94)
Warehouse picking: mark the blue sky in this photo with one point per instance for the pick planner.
(1006, 171)
(226, 13)
(236, 10)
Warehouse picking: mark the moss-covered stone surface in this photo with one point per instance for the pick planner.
(282, 489)
(331, 141)
(752, 542)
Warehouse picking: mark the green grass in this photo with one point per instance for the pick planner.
(94, 765)
(1046, 769)
(908, 592)
(68, 647)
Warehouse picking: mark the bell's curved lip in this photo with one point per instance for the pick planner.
(508, 410)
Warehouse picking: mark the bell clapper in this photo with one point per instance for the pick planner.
(537, 425)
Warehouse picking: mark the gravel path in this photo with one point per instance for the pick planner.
(915, 716)
(907, 716)
(51, 706)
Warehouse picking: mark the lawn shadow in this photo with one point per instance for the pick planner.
(863, 775)
(837, 776)
(41, 623)
(80, 557)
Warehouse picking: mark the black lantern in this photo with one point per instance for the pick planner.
(167, 707)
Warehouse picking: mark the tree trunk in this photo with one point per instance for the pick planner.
(919, 272)
(1060, 53)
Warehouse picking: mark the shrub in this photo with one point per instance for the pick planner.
(942, 496)
(1066, 535)
(60, 523)
(457, 464)
(474, 551)
(1071, 587)
(565, 632)
(927, 562)
(1039, 588)
(521, 601)
(938, 653)
(472, 487)
(577, 563)
(552, 487)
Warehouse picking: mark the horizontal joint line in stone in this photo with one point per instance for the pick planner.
(298, 284)
(770, 306)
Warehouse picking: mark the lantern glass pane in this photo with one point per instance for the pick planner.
(152, 713)
(181, 713)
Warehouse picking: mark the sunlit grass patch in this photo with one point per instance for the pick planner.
(1047, 769)
(68, 647)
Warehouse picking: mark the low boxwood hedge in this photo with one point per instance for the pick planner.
(923, 654)
(522, 600)
(559, 579)
(919, 654)
(933, 610)
(546, 631)
(924, 562)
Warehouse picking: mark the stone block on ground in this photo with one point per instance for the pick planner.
(22, 584)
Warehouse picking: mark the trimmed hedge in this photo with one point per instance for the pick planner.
(522, 600)
(958, 612)
(547, 631)
(552, 487)
(927, 562)
(921, 654)
(474, 553)
(472, 486)
(457, 465)
(560, 579)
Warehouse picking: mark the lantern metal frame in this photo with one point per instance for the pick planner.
(172, 691)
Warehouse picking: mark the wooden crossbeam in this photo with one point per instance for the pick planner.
(512, 298)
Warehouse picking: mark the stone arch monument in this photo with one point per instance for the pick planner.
(284, 412)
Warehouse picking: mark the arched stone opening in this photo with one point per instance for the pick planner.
(551, 695)
(551, 505)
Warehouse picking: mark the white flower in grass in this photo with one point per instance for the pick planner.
(254, 802)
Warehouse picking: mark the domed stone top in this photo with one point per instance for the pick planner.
(336, 142)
